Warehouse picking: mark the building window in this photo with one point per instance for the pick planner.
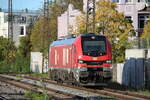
(140, 0)
(147, 0)
(128, 1)
(22, 31)
(23, 20)
(142, 20)
(115, 1)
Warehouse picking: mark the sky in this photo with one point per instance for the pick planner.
(22, 4)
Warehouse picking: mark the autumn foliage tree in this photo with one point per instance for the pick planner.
(146, 31)
(145, 37)
(112, 24)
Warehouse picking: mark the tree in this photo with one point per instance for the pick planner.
(146, 31)
(81, 23)
(22, 58)
(50, 28)
(37, 35)
(7, 54)
(24, 47)
(112, 24)
(7, 50)
(78, 4)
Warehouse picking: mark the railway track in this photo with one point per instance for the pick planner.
(108, 92)
(3, 98)
(123, 95)
(128, 93)
(79, 92)
(59, 92)
(28, 86)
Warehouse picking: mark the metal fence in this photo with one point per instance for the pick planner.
(141, 43)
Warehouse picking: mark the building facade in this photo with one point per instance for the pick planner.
(67, 21)
(21, 20)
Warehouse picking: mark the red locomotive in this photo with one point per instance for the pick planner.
(85, 60)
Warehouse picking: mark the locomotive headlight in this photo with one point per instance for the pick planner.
(80, 61)
(108, 61)
(83, 68)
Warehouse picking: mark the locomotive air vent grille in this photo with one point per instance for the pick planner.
(94, 62)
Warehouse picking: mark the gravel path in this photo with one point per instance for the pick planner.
(11, 93)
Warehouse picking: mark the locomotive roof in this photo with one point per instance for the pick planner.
(69, 41)
(91, 34)
(63, 42)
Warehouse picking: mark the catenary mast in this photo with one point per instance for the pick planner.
(10, 20)
(90, 16)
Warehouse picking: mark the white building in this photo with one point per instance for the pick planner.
(21, 21)
(3, 25)
(67, 21)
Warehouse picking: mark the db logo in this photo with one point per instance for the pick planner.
(94, 58)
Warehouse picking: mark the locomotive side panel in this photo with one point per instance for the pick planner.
(60, 56)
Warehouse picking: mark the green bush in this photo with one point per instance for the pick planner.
(22, 64)
(5, 67)
(36, 96)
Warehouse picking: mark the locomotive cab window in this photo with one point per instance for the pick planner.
(94, 46)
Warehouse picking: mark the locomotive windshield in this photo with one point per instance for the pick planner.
(94, 46)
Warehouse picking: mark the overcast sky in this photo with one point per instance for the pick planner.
(22, 4)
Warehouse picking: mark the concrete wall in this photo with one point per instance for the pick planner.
(132, 72)
(148, 68)
(36, 62)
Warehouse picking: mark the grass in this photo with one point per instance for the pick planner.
(39, 74)
(146, 92)
(36, 96)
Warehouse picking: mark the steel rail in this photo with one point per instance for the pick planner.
(107, 92)
(27, 86)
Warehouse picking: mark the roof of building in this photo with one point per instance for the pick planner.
(145, 9)
(25, 11)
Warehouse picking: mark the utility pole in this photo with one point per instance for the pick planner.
(10, 20)
(45, 30)
(90, 16)
(46, 8)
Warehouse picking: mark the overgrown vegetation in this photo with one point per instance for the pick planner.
(13, 59)
(7, 55)
(36, 96)
(39, 74)
(145, 92)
